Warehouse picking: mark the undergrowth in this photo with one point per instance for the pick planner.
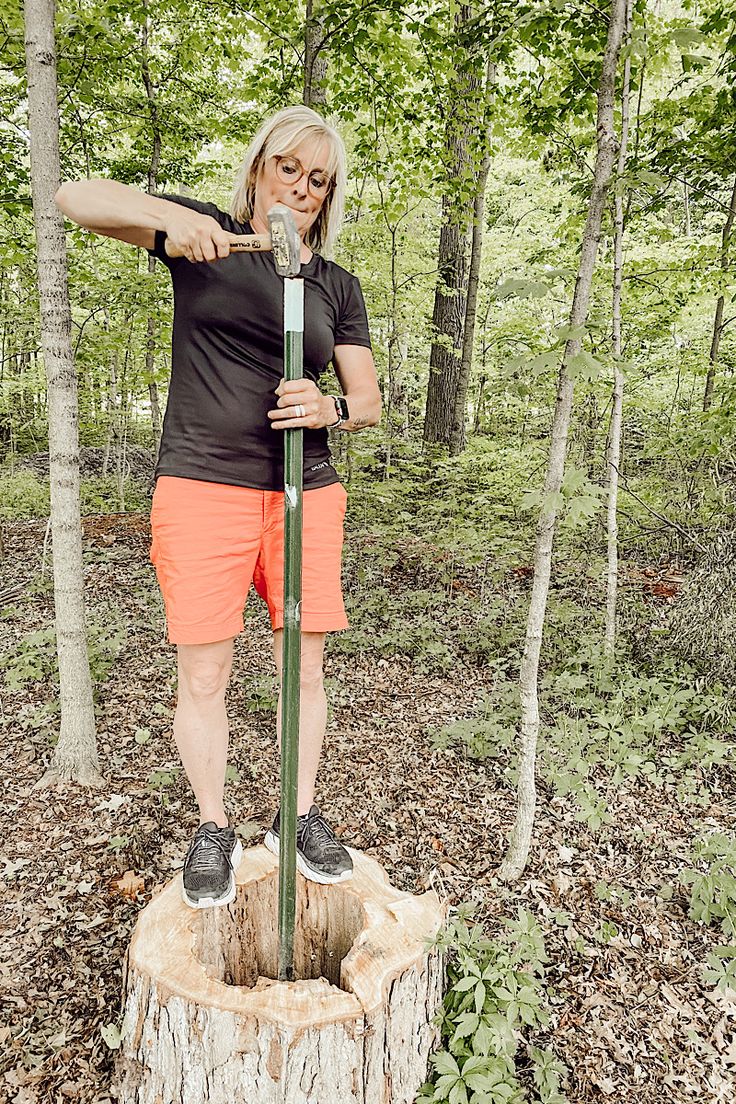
(494, 1002)
(24, 495)
(712, 881)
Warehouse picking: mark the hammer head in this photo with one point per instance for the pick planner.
(285, 241)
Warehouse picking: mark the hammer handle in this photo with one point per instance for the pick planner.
(246, 243)
(252, 243)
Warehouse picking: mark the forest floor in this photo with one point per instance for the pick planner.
(630, 1014)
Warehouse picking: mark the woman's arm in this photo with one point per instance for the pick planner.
(117, 211)
(356, 372)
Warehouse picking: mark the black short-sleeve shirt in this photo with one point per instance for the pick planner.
(228, 357)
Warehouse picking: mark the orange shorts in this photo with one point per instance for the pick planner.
(210, 541)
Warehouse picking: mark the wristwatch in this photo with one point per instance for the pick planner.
(341, 409)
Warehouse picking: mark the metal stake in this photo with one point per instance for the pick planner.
(291, 653)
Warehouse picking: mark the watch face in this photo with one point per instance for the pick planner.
(341, 404)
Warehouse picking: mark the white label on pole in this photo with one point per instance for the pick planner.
(293, 305)
(291, 496)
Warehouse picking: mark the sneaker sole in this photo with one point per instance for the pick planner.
(272, 843)
(227, 897)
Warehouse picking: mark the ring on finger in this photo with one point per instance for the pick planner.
(299, 410)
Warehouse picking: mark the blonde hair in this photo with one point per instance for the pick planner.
(280, 136)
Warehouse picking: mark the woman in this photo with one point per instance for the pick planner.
(217, 513)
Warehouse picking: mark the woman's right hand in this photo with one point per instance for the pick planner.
(195, 236)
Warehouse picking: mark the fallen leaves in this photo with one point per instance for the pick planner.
(130, 885)
(632, 1019)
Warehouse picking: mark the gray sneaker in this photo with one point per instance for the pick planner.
(319, 855)
(209, 868)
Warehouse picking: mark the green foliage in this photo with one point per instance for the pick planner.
(23, 495)
(34, 658)
(630, 723)
(612, 723)
(426, 553)
(261, 694)
(160, 782)
(580, 498)
(713, 900)
(103, 495)
(491, 732)
(495, 997)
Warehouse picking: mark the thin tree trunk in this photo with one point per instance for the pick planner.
(394, 390)
(448, 319)
(614, 433)
(152, 186)
(521, 834)
(315, 61)
(457, 428)
(686, 204)
(718, 320)
(75, 756)
(479, 404)
(112, 440)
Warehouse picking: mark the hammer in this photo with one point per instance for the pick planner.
(283, 241)
(286, 246)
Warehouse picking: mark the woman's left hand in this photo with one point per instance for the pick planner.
(301, 405)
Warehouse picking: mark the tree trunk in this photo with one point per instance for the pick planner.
(448, 318)
(75, 756)
(521, 834)
(315, 61)
(112, 441)
(686, 204)
(394, 386)
(206, 1022)
(457, 428)
(718, 320)
(614, 432)
(152, 187)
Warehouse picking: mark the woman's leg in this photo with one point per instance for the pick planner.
(201, 725)
(312, 712)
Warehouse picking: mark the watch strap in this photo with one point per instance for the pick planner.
(341, 409)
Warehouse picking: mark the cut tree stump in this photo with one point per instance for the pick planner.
(205, 1021)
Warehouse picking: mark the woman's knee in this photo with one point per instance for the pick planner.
(311, 676)
(204, 669)
(312, 659)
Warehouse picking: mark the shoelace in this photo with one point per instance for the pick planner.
(324, 834)
(202, 854)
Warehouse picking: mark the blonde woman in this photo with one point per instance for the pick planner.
(217, 513)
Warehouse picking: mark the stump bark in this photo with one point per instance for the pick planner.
(206, 1021)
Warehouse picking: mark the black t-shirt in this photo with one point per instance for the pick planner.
(228, 357)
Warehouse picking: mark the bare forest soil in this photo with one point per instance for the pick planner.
(631, 1016)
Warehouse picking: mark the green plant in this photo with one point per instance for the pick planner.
(101, 495)
(261, 695)
(713, 899)
(495, 995)
(600, 720)
(549, 1075)
(23, 495)
(492, 731)
(34, 658)
(162, 780)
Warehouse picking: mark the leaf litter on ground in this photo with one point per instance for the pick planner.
(631, 1017)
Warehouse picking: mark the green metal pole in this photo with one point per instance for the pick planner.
(291, 653)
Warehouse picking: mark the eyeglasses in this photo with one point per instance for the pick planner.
(290, 171)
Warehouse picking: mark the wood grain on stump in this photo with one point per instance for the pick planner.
(205, 1021)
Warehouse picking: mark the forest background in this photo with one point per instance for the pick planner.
(474, 157)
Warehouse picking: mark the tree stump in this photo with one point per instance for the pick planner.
(205, 1021)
